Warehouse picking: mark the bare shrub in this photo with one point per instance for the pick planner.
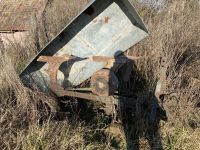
(57, 15)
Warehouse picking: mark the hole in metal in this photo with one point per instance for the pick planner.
(198, 105)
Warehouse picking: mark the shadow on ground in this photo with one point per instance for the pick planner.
(141, 120)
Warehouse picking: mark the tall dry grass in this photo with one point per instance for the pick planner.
(173, 33)
(25, 114)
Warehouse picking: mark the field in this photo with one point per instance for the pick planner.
(26, 123)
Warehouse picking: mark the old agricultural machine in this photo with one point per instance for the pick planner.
(89, 50)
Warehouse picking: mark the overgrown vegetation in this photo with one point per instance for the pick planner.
(173, 33)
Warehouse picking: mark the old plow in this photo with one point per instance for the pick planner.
(83, 59)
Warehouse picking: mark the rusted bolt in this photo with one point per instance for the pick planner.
(104, 83)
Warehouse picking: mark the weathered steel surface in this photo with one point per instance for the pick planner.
(121, 59)
(112, 105)
(161, 85)
(104, 82)
(15, 15)
(104, 28)
(54, 64)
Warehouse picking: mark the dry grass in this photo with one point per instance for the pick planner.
(174, 34)
(22, 110)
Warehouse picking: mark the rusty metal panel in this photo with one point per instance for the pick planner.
(15, 15)
(104, 28)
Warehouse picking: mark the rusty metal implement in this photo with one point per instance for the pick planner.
(90, 42)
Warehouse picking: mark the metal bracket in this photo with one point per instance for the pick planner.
(161, 84)
(113, 104)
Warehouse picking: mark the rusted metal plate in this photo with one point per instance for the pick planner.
(104, 82)
(15, 15)
(161, 84)
(104, 28)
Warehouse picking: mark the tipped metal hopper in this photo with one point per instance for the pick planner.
(103, 28)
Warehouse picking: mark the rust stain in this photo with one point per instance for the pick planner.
(95, 20)
(54, 64)
(106, 20)
(104, 83)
